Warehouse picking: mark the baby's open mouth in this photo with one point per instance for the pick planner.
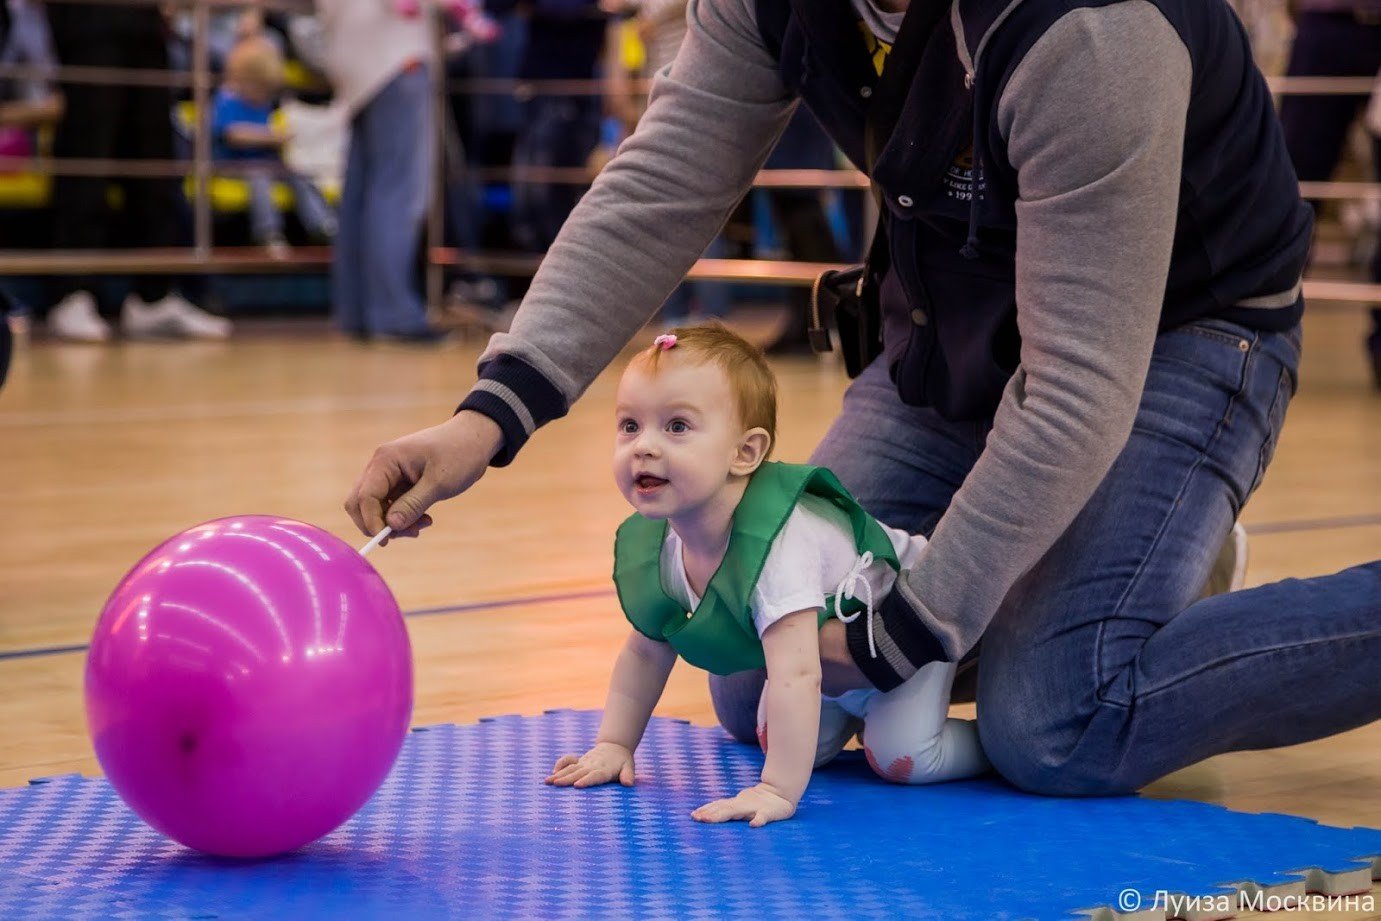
(646, 482)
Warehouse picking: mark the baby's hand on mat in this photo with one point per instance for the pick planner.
(605, 763)
(758, 805)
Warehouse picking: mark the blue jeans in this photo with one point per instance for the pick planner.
(387, 177)
(1101, 671)
(266, 223)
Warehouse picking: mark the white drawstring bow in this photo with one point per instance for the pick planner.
(847, 588)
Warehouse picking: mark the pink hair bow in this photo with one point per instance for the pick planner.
(664, 341)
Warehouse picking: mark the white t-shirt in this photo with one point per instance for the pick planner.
(811, 554)
(368, 43)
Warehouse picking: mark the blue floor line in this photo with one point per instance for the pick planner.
(1267, 527)
(468, 607)
(1313, 524)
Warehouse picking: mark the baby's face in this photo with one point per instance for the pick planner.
(677, 433)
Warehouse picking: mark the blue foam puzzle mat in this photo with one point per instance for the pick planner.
(464, 828)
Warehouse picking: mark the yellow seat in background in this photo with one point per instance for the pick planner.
(25, 191)
(32, 190)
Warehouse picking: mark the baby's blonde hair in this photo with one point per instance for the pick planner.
(751, 380)
(255, 61)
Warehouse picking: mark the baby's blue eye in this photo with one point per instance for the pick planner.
(678, 426)
(628, 427)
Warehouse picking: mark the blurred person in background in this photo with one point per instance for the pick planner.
(1333, 38)
(799, 214)
(380, 57)
(561, 129)
(800, 217)
(243, 132)
(472, 296)
(6, 339)
(27, 105)
(659, 26)
(31, 102)
(113, 122)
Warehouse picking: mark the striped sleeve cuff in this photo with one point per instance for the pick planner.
(903, 642)
(519, 400)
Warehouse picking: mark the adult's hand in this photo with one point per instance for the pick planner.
(407, 476)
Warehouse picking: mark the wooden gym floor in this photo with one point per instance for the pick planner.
(106, 451)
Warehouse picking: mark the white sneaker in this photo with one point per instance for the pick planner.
(1229, 571)
(76, 320)
(173, 317)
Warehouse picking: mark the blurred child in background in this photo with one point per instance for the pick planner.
(244, 135)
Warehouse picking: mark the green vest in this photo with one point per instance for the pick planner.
(719, 635)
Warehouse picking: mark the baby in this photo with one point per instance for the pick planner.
(733, 562)
(241, 127)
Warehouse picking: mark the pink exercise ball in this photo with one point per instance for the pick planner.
(249, 685)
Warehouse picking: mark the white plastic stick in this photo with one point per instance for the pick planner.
(375, 540)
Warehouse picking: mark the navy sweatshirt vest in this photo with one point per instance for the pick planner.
(948, 296)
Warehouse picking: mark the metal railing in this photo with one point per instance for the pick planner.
(204, 257)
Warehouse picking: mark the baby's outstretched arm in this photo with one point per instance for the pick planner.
(640, 675)
(792, 649)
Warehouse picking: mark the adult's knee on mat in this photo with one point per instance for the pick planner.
(1050, 755)
(735, 698)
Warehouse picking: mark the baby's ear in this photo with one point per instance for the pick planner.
(752, 451)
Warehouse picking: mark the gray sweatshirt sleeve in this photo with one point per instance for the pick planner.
(1094, 119)
(710, 123)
